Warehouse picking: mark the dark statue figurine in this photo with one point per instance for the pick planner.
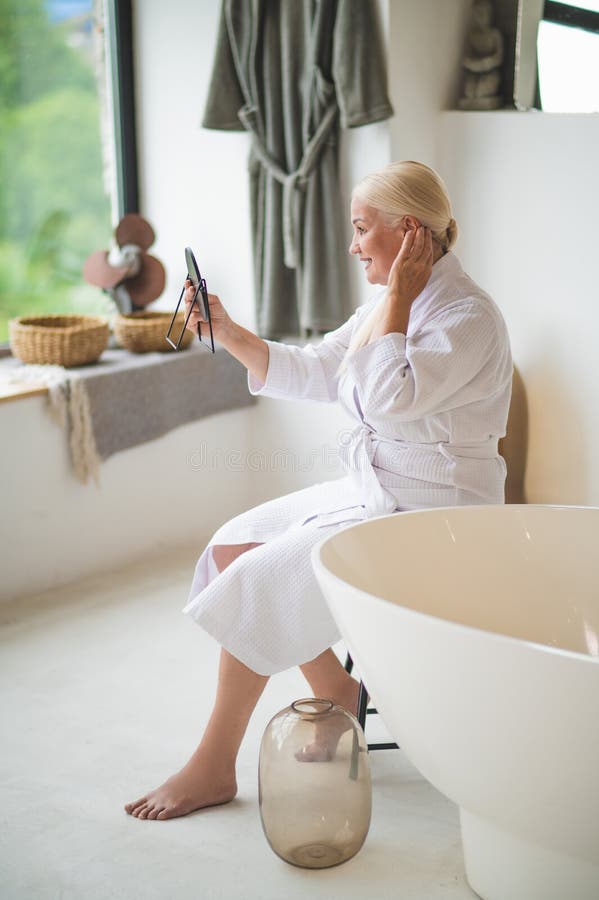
(483, 60)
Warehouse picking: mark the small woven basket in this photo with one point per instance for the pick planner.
(144, 332)
(58, 340)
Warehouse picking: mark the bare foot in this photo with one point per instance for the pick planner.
(327, 734)
(194, 787)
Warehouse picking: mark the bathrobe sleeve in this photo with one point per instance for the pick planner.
(457, 357)
(358, 65)
(225, 96)
(307, 373)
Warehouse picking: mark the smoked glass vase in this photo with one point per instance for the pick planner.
(314, 784)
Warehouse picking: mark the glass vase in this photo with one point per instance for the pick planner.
(314, 784)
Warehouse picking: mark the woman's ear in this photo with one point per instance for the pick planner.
(411, 223)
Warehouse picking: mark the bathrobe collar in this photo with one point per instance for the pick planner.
(441, 290)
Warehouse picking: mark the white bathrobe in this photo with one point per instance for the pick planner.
(429, 408)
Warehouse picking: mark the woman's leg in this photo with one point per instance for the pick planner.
(328, 678)
(208, 778)
(224, 554)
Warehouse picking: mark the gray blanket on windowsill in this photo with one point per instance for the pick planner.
(135, 398)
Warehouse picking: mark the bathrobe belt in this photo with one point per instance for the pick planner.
(291, 181)
(356, 452)
(357, 449)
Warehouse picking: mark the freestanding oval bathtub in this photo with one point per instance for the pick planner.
(476, 631)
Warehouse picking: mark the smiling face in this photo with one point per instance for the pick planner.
(374, 242)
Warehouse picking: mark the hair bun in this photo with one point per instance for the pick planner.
(451, 233)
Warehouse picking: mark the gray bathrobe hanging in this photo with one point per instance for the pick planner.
(288, 71)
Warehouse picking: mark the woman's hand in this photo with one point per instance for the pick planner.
(245, 346)
(408, 276)
(412, 267)
(218, 314)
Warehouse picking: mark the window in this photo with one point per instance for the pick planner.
(57, 160)
(568, 56)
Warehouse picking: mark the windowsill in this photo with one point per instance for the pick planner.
(9, 392)
(136, 397)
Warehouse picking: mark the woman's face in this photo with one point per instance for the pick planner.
(375, 243)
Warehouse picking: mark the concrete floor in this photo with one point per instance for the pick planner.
(105, 687)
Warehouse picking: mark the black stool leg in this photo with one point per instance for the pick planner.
(363, 710)
(362, 705)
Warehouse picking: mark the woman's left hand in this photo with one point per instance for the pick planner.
(412, 267)
(408, 276)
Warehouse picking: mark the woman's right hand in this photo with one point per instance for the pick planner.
(218, 314)
(248, 348)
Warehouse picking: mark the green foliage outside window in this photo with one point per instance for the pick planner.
(54, 210)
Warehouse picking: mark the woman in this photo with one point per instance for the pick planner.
(425, 371)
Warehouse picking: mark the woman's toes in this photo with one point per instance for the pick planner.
(130, 807)
(155, 812)
(169, 812)
(314, 753)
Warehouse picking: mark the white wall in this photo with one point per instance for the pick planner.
(426, 40)
(526, 193)
(54, 530)
(193, 182)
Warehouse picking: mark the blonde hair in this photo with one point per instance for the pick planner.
(405, 188)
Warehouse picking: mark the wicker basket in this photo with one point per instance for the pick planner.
(58, 340)
(143, 332)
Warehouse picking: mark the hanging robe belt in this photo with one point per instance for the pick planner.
(291, 181)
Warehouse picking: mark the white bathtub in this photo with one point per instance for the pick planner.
(476, 631)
